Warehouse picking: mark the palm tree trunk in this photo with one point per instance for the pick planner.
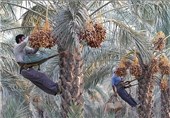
(71, 81)
(165, 103)
(145, 91)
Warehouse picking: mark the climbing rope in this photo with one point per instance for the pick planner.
(127, 84)
(37, 63)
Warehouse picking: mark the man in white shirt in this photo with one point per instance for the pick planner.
(21, 49)
(38, 78)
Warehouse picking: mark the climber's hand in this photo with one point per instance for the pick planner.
(115, 95)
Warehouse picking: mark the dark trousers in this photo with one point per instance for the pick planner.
(125, 96)
(40, 80)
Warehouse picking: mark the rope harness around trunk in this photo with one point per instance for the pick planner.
(37, 63)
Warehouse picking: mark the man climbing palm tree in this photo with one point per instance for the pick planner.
(38, 78)
(119, 89)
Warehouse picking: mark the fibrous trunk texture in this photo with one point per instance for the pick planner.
(71, 77)
(165, 103)
(145, 91)
(145, 96)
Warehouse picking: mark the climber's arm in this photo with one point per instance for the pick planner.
(115, 90)
(31, 50)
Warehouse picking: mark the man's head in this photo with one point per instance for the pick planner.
(19, 38)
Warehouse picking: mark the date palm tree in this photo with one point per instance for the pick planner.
(71, 62)
(124, 31)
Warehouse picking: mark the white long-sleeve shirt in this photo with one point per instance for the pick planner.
(21, 49)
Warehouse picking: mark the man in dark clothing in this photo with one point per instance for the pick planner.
(38, 78)
(119, 89)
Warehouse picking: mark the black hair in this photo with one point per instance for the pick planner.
(19, 36)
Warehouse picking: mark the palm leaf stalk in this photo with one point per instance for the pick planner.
(100, 8)
(13, 4)
(13, 28)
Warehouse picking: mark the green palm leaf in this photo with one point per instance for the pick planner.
(15, 109)
(69, 22)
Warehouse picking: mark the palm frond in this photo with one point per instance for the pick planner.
(20, 6)
(98, 64)
(94, 111)
(75, 111)
(100, 8)
(7, 25)
(10, 77)
(141, 44)
(101, 90)
(9, 11)
(69, 22)
(15, 109)
(7, 48)
(90, 4)
(11, 24)
(152, 12)
(95, 76)
(30, 18)
(52, 109)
